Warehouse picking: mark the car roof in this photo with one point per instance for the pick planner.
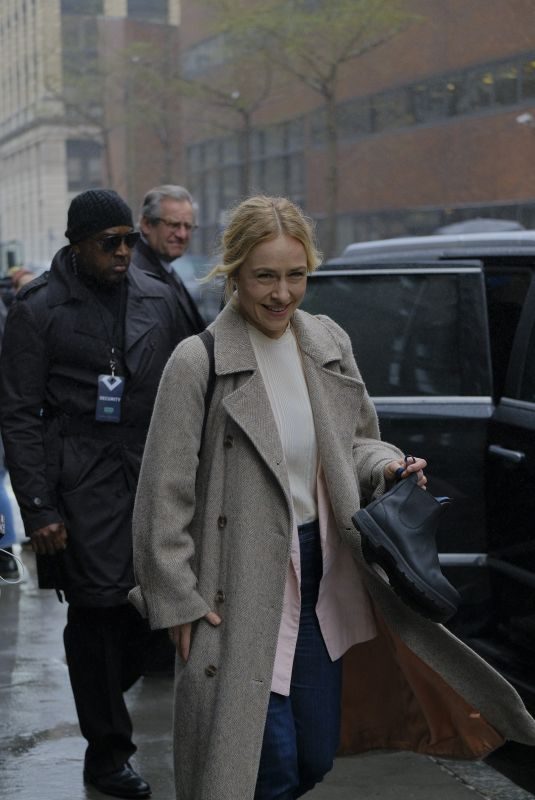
(469, 245)
(481, 225)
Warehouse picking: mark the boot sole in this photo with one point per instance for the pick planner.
(404, 581)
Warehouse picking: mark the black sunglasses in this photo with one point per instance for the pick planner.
(109, 244)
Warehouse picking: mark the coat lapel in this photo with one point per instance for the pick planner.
(248, 405)
(65, 287)
(147, 260)
(89, 321)
(335, 400)
(141, 317)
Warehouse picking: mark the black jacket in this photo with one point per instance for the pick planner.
(146, 259)
(63, 464)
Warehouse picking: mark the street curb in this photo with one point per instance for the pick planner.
(484, 779)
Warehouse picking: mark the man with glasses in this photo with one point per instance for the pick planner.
(167, 221)
(84, 347)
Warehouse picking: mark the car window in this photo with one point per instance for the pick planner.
(506, 292)
(413, 334)
(523, 387)
(527, 383)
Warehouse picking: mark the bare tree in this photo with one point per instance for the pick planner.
(236, 92)
(312, 41)
(129, 93)
(149, 107)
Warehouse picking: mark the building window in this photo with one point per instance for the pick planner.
(204, 56)
(257, 144)
(388, 110)
(528, 79)
(230, 186)
(471, 91)
(274, 141)
(80, 44)
(196, 157)
(86, 8)
(506, 85)
(216, 170)
(84, 164)
(153, 11)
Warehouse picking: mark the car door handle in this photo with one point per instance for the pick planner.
(513, 456)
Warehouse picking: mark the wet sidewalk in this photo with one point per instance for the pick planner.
(41, 750)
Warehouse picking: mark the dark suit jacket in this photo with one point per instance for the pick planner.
(147, 260)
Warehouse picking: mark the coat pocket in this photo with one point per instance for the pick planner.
(204, 658)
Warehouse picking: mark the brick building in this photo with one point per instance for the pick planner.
(435, 126)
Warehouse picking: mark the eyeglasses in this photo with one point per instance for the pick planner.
(109, 244)
(175, 226)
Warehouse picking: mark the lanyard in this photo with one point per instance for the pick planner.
(113, 362)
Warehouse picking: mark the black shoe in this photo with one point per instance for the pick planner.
(8, 565)
(398, 533)
(124, 782)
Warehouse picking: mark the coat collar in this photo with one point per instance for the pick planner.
(248, 404)
(146, 259)
(315, 339)
(65, 287)
(234, 352)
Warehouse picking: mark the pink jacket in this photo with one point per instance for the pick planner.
(344, 610)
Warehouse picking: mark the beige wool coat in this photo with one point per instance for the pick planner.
(214, 532)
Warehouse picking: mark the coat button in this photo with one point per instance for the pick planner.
(220, 596)
(228, 441)
(221, 521)
(210, 671)
(37, 501)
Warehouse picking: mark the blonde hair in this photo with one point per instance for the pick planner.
(257, 220)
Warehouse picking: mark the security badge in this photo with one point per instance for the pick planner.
(110, 392)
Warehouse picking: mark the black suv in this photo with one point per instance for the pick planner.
(443, 329)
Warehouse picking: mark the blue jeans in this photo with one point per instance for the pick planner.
(7, 510)
(302, 731)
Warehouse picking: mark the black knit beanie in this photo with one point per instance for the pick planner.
(94, 211)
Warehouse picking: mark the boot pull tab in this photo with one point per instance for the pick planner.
(444, 501)
(400, 470)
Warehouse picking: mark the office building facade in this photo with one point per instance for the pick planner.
(63, 128)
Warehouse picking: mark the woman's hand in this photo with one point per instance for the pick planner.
(180, 635)
(410, 465)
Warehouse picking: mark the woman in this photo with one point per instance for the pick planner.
(245, 550)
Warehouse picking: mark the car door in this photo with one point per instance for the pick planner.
(511, 506)
(420, 336)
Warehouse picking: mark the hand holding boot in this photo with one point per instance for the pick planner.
(396, 470)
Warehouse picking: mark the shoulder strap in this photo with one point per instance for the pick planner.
(208, 341)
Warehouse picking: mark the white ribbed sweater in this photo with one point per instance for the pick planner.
(280, 364)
